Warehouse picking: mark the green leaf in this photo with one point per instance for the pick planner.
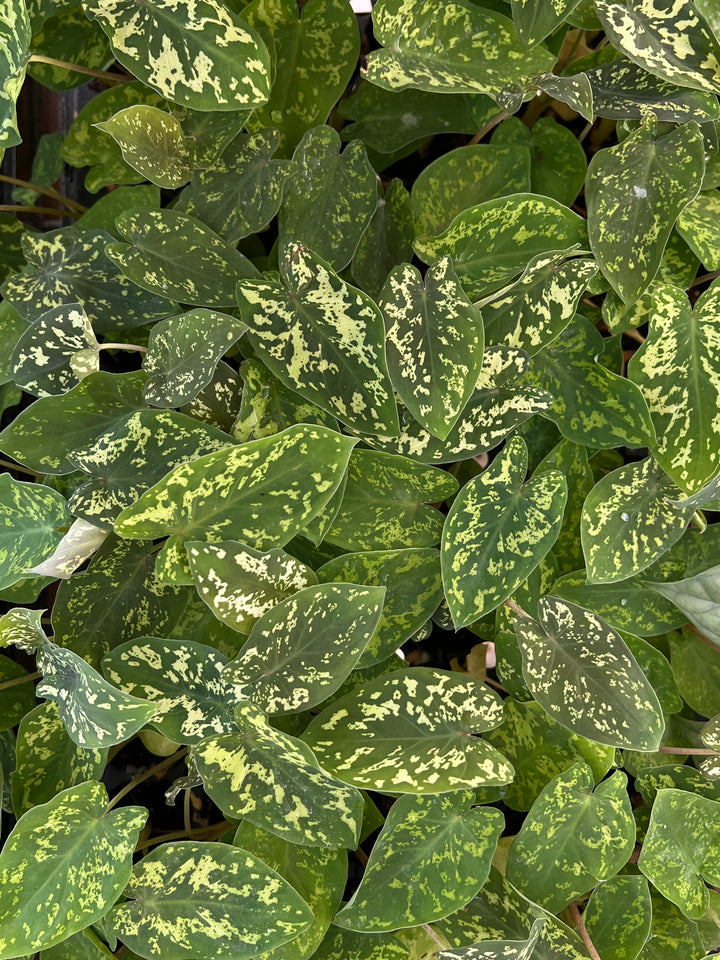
(571, 460)
(16, 34)
(634, 193)
(491, 950)
(224, 494)
(20, 697)
(47, 167)
(71, 38)
(435, 48)
(618, 917)
(152, 143)
(246, 906)
(650, 780)
(435, 343)
(183, 354)
(497, 531)
(431, 858)
(63, 866)
(274, 781)
(413, 587)
(11, 254)
(96, 714)
(45, 358)
(540, 749)
(70, 266)
(200, 56)
(103, 213)
(697, 225)
(341, 944)
(564, 846)
(30, 528)
(629, 521)
(681, 848)
(85, 945)
(330, 199)
(409, 733)
(385, 504)
(583, 674)
(698, 598)
(47, 759)
(387, 241)
(177, 256)
(301, 650)
(184, 680)
(690, 59)
(535, 19)
(323, 338)
(492, 242)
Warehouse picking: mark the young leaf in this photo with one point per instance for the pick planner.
(246, 906)
(618, 917)
(30, 526)
(583, 674)
(152, 143)
(507, 949)
(498, 530)
(65, 863)
(49, 357)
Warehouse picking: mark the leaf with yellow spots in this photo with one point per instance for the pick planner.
(411, 578)
(572, 461)
(566, 844)
(22, 628)
(16, 34)
(629, 520)
(240, 584)
(618, 917)
(152, 143)
(387, 241)
(65, 863)
(583, 674)
(323, 338)
(435, 343)
(261, 493)
(45, 358)
(206, 900)
(505, 949)
(536, 19)
(431, 857)
(698, 598)
(341, 944)
(273, 780)
(412, 732)
(183, 679)
(498, 530)
(698, 226)
(199, 55)
(32, 520)
(635, 192)
(301, 650)
(435, 48)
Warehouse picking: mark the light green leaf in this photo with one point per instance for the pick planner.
(492, 242)
(63, 866)
(200, 56)
(583, 674)
(413, 587)
(22, 628)
(435, 48)
(697, 225)
(30, 526)
(536, 19)
(16, 34)
(497, 531)
(696, 670)
(699, 599)
(85, 945)
(323, 338)
(435, 343)
(681, 848)
(571, 460)
(564, 845)
(634, 193)
(618, 917)
(573, 90)
(301, 650)
(274, 781)
(177, 256)
(409, 733)
(103, 213)
(387, 241)
(152, 143)
(491, 950)
(245, 906)
(431, 858)
(629, 521)
(650, 780)
(223, 494)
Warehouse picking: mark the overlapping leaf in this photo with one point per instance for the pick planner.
(491, 950)
(152, 143)
(387, 241)
(16, 35)
(19, 698)
(56, 351)
(698, 598)
(30, 526)
(535, 20)
(618, 917)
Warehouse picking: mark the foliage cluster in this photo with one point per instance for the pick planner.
(337, 359)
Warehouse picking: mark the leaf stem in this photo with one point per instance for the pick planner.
(19, 469)
(516, 608)
(435, 936)
(109, 78)
(490, 125)
(52, 211)
(18, 680)
(704, 278)
(495, 684)
(634, 335)
(361, 855)
(713, 916)
(122, 346)
(691, 751)
(141, 777)
(214, 829)
(583, 932)
(45, 191)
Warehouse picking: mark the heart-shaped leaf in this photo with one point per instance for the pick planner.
(31, 526)
(152, 143)
(698, 598)
(618, 917)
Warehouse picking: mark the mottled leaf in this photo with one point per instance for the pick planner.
(618, 917)
(571, 460)
(340, 944)
(492, 949)
(152, 143)
(30, 526)
(697, 225)
(535, 19)
(16, 34)
(19, 697)
(698, 598)
(387, 241)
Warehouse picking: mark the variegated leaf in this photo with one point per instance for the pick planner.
(387, 241)
(491, 243)
(629, 521)
(435, 343)
(583, 674)
(16, 35)
(339, 944)
(301, 650)
(22, 628)
(434, 48)
(201, 56)
(223, 494)
(178, 257)
(183, 679)
(19, 697)
(564, 846)
(507, 949)
(572, 461)
(274, 781)
(678, 371)
(535, 19)
(697, 225)
(634, 193)
(411, 578)
(573, 90)
(323, 338)
(240, 584)
(211, 900)
(63, 866)
(431, 857)
(498, 530)
(618, 917)
(31, 526)
(698, 598)
(152, 143)
(409, 733)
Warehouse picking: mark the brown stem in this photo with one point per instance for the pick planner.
(701, 636)
(187, 822)
(205, 833)
(495, 684)
(109, 78)
(583, 932)
(19, 469)
(490, 125)
(51, 211)
(691, 751)
(122, 346)
(634, 335)
(45, 191)
(18, 680)
(704, 278)
(435, 936)
(361, 855)
(141, 777)
(516, 608)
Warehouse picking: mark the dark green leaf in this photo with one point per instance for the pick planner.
(20, 696)
(56, 351)
(30, 526)
(697, 672)
(387, 241)
(341, 944)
